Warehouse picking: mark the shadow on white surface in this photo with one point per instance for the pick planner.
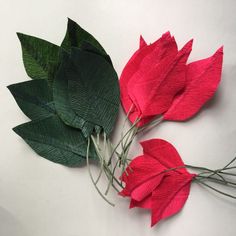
(9, 225)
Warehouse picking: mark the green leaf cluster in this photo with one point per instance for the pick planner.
(73, 94)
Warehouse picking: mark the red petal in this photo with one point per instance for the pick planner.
(131, 67)
(170, 196)
(144, 86)
(154, 90)
(146, 188)
(142, 42)
(164, 152)
(124, 193)
(140, 170)
(203, 78)
(145, 203)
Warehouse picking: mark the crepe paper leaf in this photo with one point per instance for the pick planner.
(55, 141)
(86, 46)
(40, 57)
(146, 203)
(203, 78)
(169, 197)
(131, 68)
(152, 91)
(98, 83)
(157, 82)
(139, 65)
(145, 189)
(142, 42)
(61, 98)
(86, 87)
(76, 36)
(34, 98)
(167, 154)
(63, 105)
(141, 170)
(153, 183)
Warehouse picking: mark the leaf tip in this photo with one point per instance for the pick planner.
(71, 23)
(16, 129)
(20, 35)
(142, 42)
(188, 46)
(220, 50)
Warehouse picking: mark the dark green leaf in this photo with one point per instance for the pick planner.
(61, 99)
(62, 102)
(34, 98)
(55, 141)
(40, 57)
(75, 35)
(92, 90)
(85, 46)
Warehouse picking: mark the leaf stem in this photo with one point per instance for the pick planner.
(216, 190)
(91, 176)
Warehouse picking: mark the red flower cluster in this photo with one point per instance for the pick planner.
(153, 183)
(157, 81)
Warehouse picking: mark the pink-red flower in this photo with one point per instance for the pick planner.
(157, 81)
(157, 180)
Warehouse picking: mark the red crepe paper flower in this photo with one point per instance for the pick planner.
(157, 81)
(151, 182)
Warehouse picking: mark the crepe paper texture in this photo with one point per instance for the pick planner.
(151, 185)
(74, 94)
(86, 92)
(157, 81)
(73, 102)
(55, 141)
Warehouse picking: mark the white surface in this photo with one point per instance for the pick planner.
(38, 197)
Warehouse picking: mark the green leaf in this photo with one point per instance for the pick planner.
(34, 98)
(63, 106)
(40, 57)
(55, 141)
(76, 36)
(87, 86)
(61, 99)
(86, 46)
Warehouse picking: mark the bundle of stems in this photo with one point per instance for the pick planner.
(115, 159)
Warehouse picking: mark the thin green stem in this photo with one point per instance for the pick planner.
(219, 181)
(213, 172)
(91, 176)
(216, 190)
(229, 163)
(118, 144)
(126, 119)
(100, 174)
(151, 124)
(227, 173)
(112, 177)
(105, 166)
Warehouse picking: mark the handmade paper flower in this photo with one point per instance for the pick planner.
(157, 180)
(157, 82)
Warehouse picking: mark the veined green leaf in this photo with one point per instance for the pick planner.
(61, 99)
(34, 98)
(86, 46)
(76, 35)
(55, 141)
(40, 57)
(92, 90)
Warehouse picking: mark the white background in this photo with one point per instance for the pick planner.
(38, 197)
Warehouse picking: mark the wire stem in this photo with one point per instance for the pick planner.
(91, 176)
(216, 190)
